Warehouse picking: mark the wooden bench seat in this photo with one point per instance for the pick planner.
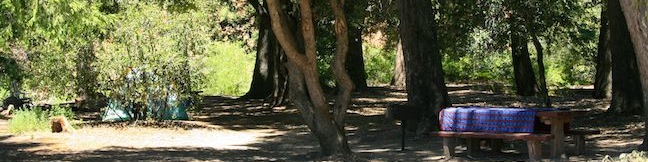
(579, 138)
(534, 141)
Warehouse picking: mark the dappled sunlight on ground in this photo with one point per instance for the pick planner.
(87, 139)
(227, 129)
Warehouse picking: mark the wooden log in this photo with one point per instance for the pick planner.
(60, 124)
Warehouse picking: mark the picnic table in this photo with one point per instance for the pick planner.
(507, 123)
(557, 120)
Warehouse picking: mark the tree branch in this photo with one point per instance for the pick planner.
(344, 82)
(284, 36)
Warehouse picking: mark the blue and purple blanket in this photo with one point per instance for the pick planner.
(481, 119)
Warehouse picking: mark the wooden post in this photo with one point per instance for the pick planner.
(579, 140)
(403, 128)
(449, 145)
(535, 150)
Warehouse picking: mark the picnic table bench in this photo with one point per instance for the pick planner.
(534, 141)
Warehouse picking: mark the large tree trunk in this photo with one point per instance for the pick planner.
(636, 13)
(355, 60)
(522, 68)
(399, 68)
(269, 78)
(603, 78)
(626, 97)
(541, 70)
(426, 88)
(306, 91)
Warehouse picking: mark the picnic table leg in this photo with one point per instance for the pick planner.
(558, 147)
(449, 145)
(535, 150)
(473, 145)
(496, 145)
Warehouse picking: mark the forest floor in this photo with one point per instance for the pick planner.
(226, 129)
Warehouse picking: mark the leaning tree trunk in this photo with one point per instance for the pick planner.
(541, 71)
(522, 69)
(269, 78)
(626, 97)
(603, 78)
(426, 88)
(355, 60)
(636, 14)
(399, 68)
(306, 91)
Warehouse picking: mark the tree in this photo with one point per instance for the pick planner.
(626, 97)
(399, 68)
(355, 60)
(522, 68)
(603, 77)
(541, 70)
(306, 91)
(426, 88)
(636, 14)
(269, 78)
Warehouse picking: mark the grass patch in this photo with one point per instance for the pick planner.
(36, 119)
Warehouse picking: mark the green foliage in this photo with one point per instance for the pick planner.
(152, 53)
(36, 119)
(44, 36)
(228, 69)
(379, 65)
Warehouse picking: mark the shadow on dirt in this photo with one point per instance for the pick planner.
(370, 134)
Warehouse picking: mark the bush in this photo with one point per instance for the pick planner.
(153, 54)
(379, 65)
(36, 119)
(228, 69)
(634, 156)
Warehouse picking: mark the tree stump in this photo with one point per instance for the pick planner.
(60, 124)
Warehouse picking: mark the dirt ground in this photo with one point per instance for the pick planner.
(226, 129)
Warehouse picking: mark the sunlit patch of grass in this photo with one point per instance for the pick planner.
(36, 119)
(228, 69)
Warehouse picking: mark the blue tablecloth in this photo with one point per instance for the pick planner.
(481, 119)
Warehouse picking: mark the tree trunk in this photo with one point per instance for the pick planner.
(636, 13)
(306, 91)
(541, 70)
(86, 78)
(603, 78)
(355, 60)
(626, 97)
(426, 88)
(399, 68)
(269, 76)
(522, 69)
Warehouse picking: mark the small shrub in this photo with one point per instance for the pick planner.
(36, 119)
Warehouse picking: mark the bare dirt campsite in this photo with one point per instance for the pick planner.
(227, 129)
